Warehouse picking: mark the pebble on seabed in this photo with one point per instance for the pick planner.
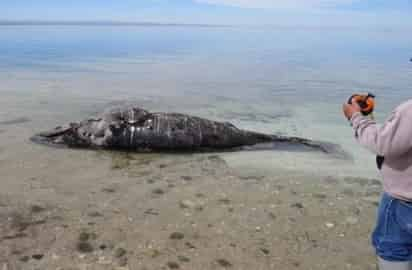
(224, 263)
(120, 252)
(84, 247)
(158, 191)
(297, 205)
(183, 259)
(265, 251)
(25, 258)
(37, 208)
(37, 256)
(185, 204)
(173, 265)
(177, 236)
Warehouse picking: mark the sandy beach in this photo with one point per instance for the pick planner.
(179, 212)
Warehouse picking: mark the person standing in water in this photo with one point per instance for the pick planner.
(392, 143)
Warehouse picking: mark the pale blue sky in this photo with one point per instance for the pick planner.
(277, 12)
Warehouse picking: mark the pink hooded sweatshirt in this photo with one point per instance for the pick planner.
(393, 140)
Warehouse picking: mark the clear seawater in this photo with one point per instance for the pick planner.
(275, 80)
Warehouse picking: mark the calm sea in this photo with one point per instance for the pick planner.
(286, 80)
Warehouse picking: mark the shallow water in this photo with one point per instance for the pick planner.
(289, 81)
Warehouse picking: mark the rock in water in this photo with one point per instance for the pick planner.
(224, 263)
(120, 252)
(84, 247)
(177, 236)
(37, 256)
(173, 265)
(185, 204)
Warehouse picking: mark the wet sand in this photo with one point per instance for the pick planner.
(129, 211)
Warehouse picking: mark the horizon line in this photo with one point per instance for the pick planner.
(100, 23)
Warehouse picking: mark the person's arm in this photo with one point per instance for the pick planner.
(393, 138)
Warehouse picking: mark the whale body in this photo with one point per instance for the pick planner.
(135, 129)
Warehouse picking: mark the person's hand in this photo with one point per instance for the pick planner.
(351, 109)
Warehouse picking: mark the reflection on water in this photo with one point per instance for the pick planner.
(279, 81)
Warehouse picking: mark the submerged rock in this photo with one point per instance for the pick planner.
(187, 178)
(265, 251)
(224, 263)
(297, 205)
(152, 212)
(84, 247)
(37, 256)
(225, 201)
(25, 259)
(158, 191)
(120, 252)
(95, 214)
(186, 204)
(109, 189)
(319, 196)
(37, 209)
(272, 215)
(85, 236)
(173, 265)
(190, 245)
(183, 259)
(177, 236)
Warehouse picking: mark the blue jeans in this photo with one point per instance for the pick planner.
(392, 237)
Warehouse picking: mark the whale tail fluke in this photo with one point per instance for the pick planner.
(298, 144)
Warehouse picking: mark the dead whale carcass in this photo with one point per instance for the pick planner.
(135, 129)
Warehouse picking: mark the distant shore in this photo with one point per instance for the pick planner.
(101, 23)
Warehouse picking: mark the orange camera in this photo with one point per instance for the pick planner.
(365, 102)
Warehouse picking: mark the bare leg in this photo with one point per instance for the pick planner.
(387, 265)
